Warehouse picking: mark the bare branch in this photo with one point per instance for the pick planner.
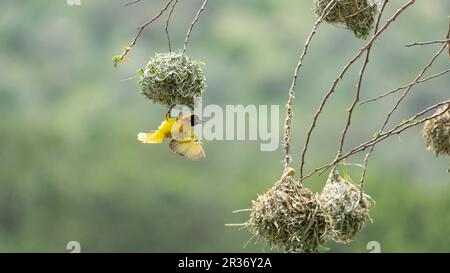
(382, 136)
(127, 49)
(167, 24)
(448, 37)
(408, 90)
(399, 101)
(141, 28)
(406, 86)
(367, 156)
(289, 112)
(341, 75)
(428, 43)
(188, 34)
(132, 3)
(358, 85)
(399, 128)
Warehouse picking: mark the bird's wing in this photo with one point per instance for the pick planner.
(192, 150)
(166, 124)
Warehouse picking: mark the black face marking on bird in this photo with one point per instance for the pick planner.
(195, 120)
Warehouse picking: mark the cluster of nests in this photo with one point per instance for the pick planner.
(172, 79)
(291, 217)
(437, 132)
(356, 15)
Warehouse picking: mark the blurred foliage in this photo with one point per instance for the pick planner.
(72, 169)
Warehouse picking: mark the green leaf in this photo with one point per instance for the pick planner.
(345, 173)
(116, 59)
(122, 57)
(141, 73)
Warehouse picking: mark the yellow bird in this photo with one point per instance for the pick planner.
(183, 142)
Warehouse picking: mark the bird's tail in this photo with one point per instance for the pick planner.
(150, 137)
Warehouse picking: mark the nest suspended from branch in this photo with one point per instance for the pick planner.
(172, 79)
(357, 15)
(437, 133)
(349, 213)
(289, 216)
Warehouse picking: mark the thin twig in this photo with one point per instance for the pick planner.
(236, 225)
(406, 86)
(428, 43)
(448, 37)
(242, 210)
(359, 84)
(140, 29)
(167, 24)
(399, 101)
(408, 90)
(341, 75)
(188, 34)
(411, 122)
(291, 96)
(381, 136)
(132, 3)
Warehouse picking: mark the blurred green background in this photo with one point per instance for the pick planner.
(72, 169)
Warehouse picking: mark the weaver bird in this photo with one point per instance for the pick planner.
(183, 142)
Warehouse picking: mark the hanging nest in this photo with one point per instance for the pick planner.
(356, 15)
(437, 133)
(289, 216)
(172, 79)
(349, 213)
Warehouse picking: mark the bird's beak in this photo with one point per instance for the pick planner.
(197, 120)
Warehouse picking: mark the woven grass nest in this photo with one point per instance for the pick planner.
(172, 79)
(437, 133)
(289, 217)
(349, 212)
(356, 15)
